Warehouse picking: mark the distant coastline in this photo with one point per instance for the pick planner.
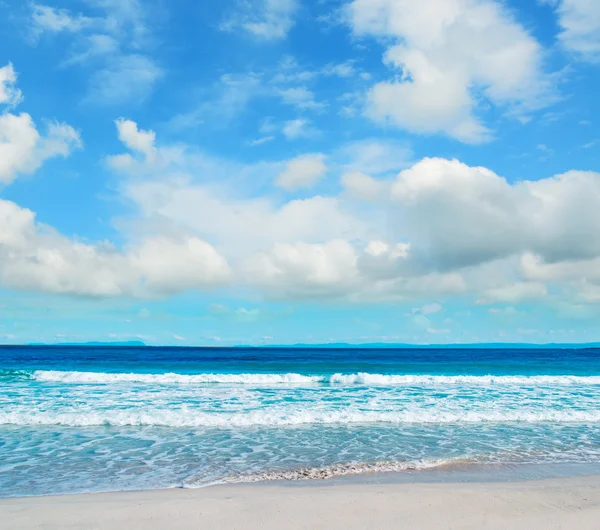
(333, 345)
(123, 344)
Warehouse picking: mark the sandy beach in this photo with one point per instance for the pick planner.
(565, 503)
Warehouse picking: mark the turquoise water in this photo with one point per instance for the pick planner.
(76, 419)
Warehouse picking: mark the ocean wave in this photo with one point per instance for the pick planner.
(324, 472)
(360, 378)
(270, 418)
(173, 378)
(381, 379)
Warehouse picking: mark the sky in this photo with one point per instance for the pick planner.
(294, 171)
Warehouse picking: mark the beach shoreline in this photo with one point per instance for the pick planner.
(572, 502)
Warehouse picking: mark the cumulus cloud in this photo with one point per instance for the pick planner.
(463, 228)
(265, 19)
(457, 216)
(447, 54)
(302, 172)
(242, 225)
(303, 270)
(534, 267)
(168, 265)
(135, 139)
(182, 187)
(35, 257)
(336, 270)
(440, 228)
(22, 148)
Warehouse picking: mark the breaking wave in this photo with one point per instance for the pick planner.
(293, 416)
(361, 378)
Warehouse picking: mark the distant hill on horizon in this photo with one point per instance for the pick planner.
(130, 343)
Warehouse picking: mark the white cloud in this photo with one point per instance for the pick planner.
(124, 19)
(304, 270)
(515, 292)
(362, 186)
(35, 257)
(128, 78)
(22, 149)
(247, 315)
(267, 126)
(345, 69)
(50, 19)
(374, 156)
(302, 172)
(181, 187)
(299, 128)
(135, 139)
(534, 267)
(580, 27)
(112, 40)
(232, 94)
(384, 261)
(170, 265)
(439, 229)
(457, 216)
(447, 55)
(506, 311)
(436, 331)
(265, 19)
(335, 270)
(301, 98)
(241, 225)
(430, 309)
(92, 47)
(261, 141)
(9, 93)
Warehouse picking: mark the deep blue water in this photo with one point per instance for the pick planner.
(103, 418)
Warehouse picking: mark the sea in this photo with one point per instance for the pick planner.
(79, 419)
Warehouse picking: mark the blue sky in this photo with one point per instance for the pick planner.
(280, 171)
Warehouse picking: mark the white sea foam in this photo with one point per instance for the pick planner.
(172, 378)
(360, 378)
(381, 379)
(324, 472)
(291, 416)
